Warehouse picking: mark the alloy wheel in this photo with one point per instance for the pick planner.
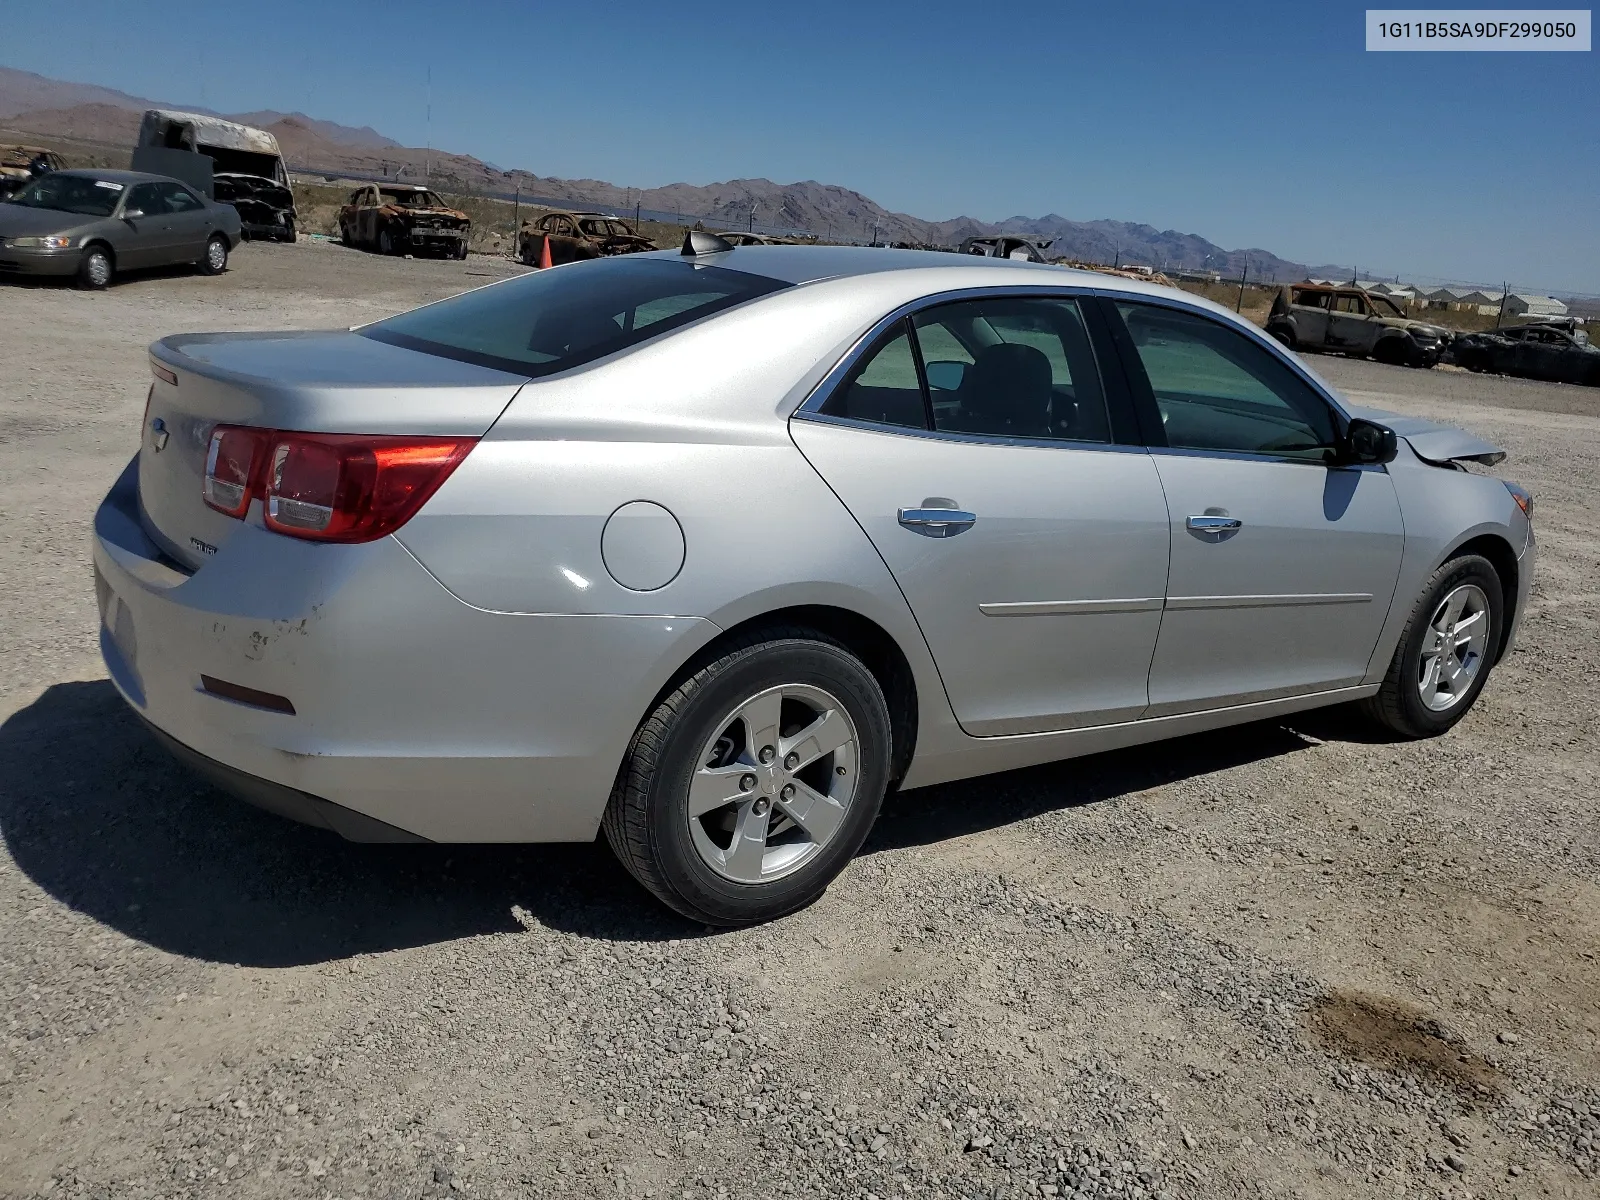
(216, 254)
(773, 784)
(1453, 647)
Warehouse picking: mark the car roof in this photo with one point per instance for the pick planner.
(811, 264)
(118, 176)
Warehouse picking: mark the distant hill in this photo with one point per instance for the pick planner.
(23, 93)
(34, 103)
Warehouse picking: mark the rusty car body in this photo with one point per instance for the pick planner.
(1555, 351)
(1351, 320)
(265, 206)
(403, 218)
(19, 164)
(1007, 246)
(577, 236)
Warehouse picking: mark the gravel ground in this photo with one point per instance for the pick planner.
(1284, 960)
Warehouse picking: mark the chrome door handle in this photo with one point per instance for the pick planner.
(936, 522)
(1207, 523)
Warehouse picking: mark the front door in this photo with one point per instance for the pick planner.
(1283, 567)
(142, 240)
(1031, 548)
(1349, 326)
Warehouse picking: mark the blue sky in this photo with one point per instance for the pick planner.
(1252, 124)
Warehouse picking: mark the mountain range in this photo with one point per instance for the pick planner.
(33, 103)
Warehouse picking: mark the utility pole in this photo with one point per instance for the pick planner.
(427, 161)
(1243, 275)
(516, 216)
(751, 226)
(1505, 294)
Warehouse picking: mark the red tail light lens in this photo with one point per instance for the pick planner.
(232, 466)
(354, 488)
(329, 487)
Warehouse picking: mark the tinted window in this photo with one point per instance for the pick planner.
(146, 197)
(1218, 390)
(71, 193)
(884, 388)
(177, 198)
(551, 320)
(1027, 370)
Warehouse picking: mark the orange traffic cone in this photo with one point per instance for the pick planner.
(544, 253)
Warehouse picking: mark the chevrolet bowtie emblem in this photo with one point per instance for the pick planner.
(158, 434)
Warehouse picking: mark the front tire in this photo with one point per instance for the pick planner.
(755, 782)
(215, 259)
(95, 269)
(385, 242)
(1445, 653)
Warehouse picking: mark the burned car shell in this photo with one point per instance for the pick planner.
(403, 218)
(265, 206)
(1020, 249)
(1351, 320)
(577, 236)
(1555, 353)
(17, 166)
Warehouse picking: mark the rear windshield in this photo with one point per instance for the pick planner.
(554, 319)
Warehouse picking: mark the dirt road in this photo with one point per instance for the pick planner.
(1283, 960)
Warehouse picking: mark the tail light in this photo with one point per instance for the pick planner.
(328, 487)
(232, 466)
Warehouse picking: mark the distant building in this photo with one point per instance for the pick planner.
(1521, 305)
(1452, 299)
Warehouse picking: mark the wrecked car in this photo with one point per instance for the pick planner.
(20, 165)
(265, 206)
(1558, 353)
(1354, 321)
(576, 236)
(740, 238)
(403, 218)
(1006, 246)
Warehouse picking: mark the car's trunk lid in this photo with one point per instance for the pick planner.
(323, 382)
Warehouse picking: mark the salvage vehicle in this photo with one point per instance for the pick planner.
(403, 218)
(1557, 353)
(95, 224)
(742, 238)
(265, 206)
(1019, 249)
(578, 237)
(21, 164)
(706, 550)
(1354, 321)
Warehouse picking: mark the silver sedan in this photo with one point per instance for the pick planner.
(708, 550)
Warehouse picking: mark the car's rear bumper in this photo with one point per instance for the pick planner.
(39, 262)
(444, 721)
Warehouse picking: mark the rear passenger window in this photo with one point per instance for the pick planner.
(1018, 368)
(884, 388)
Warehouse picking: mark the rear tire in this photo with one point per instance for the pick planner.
(95, 269)
(1444, 657)
(796, 831)
(214, 261)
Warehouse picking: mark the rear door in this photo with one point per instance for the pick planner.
(1310, 310)
(189, 222)
(1349, 327)
(975, 445)
(1283, 567)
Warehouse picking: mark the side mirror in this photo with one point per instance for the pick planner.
(132, 214)
(945, 376)
(1368, 442)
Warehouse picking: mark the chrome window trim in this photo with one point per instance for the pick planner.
(980, 439)
(810, 407)
(1249, 456)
